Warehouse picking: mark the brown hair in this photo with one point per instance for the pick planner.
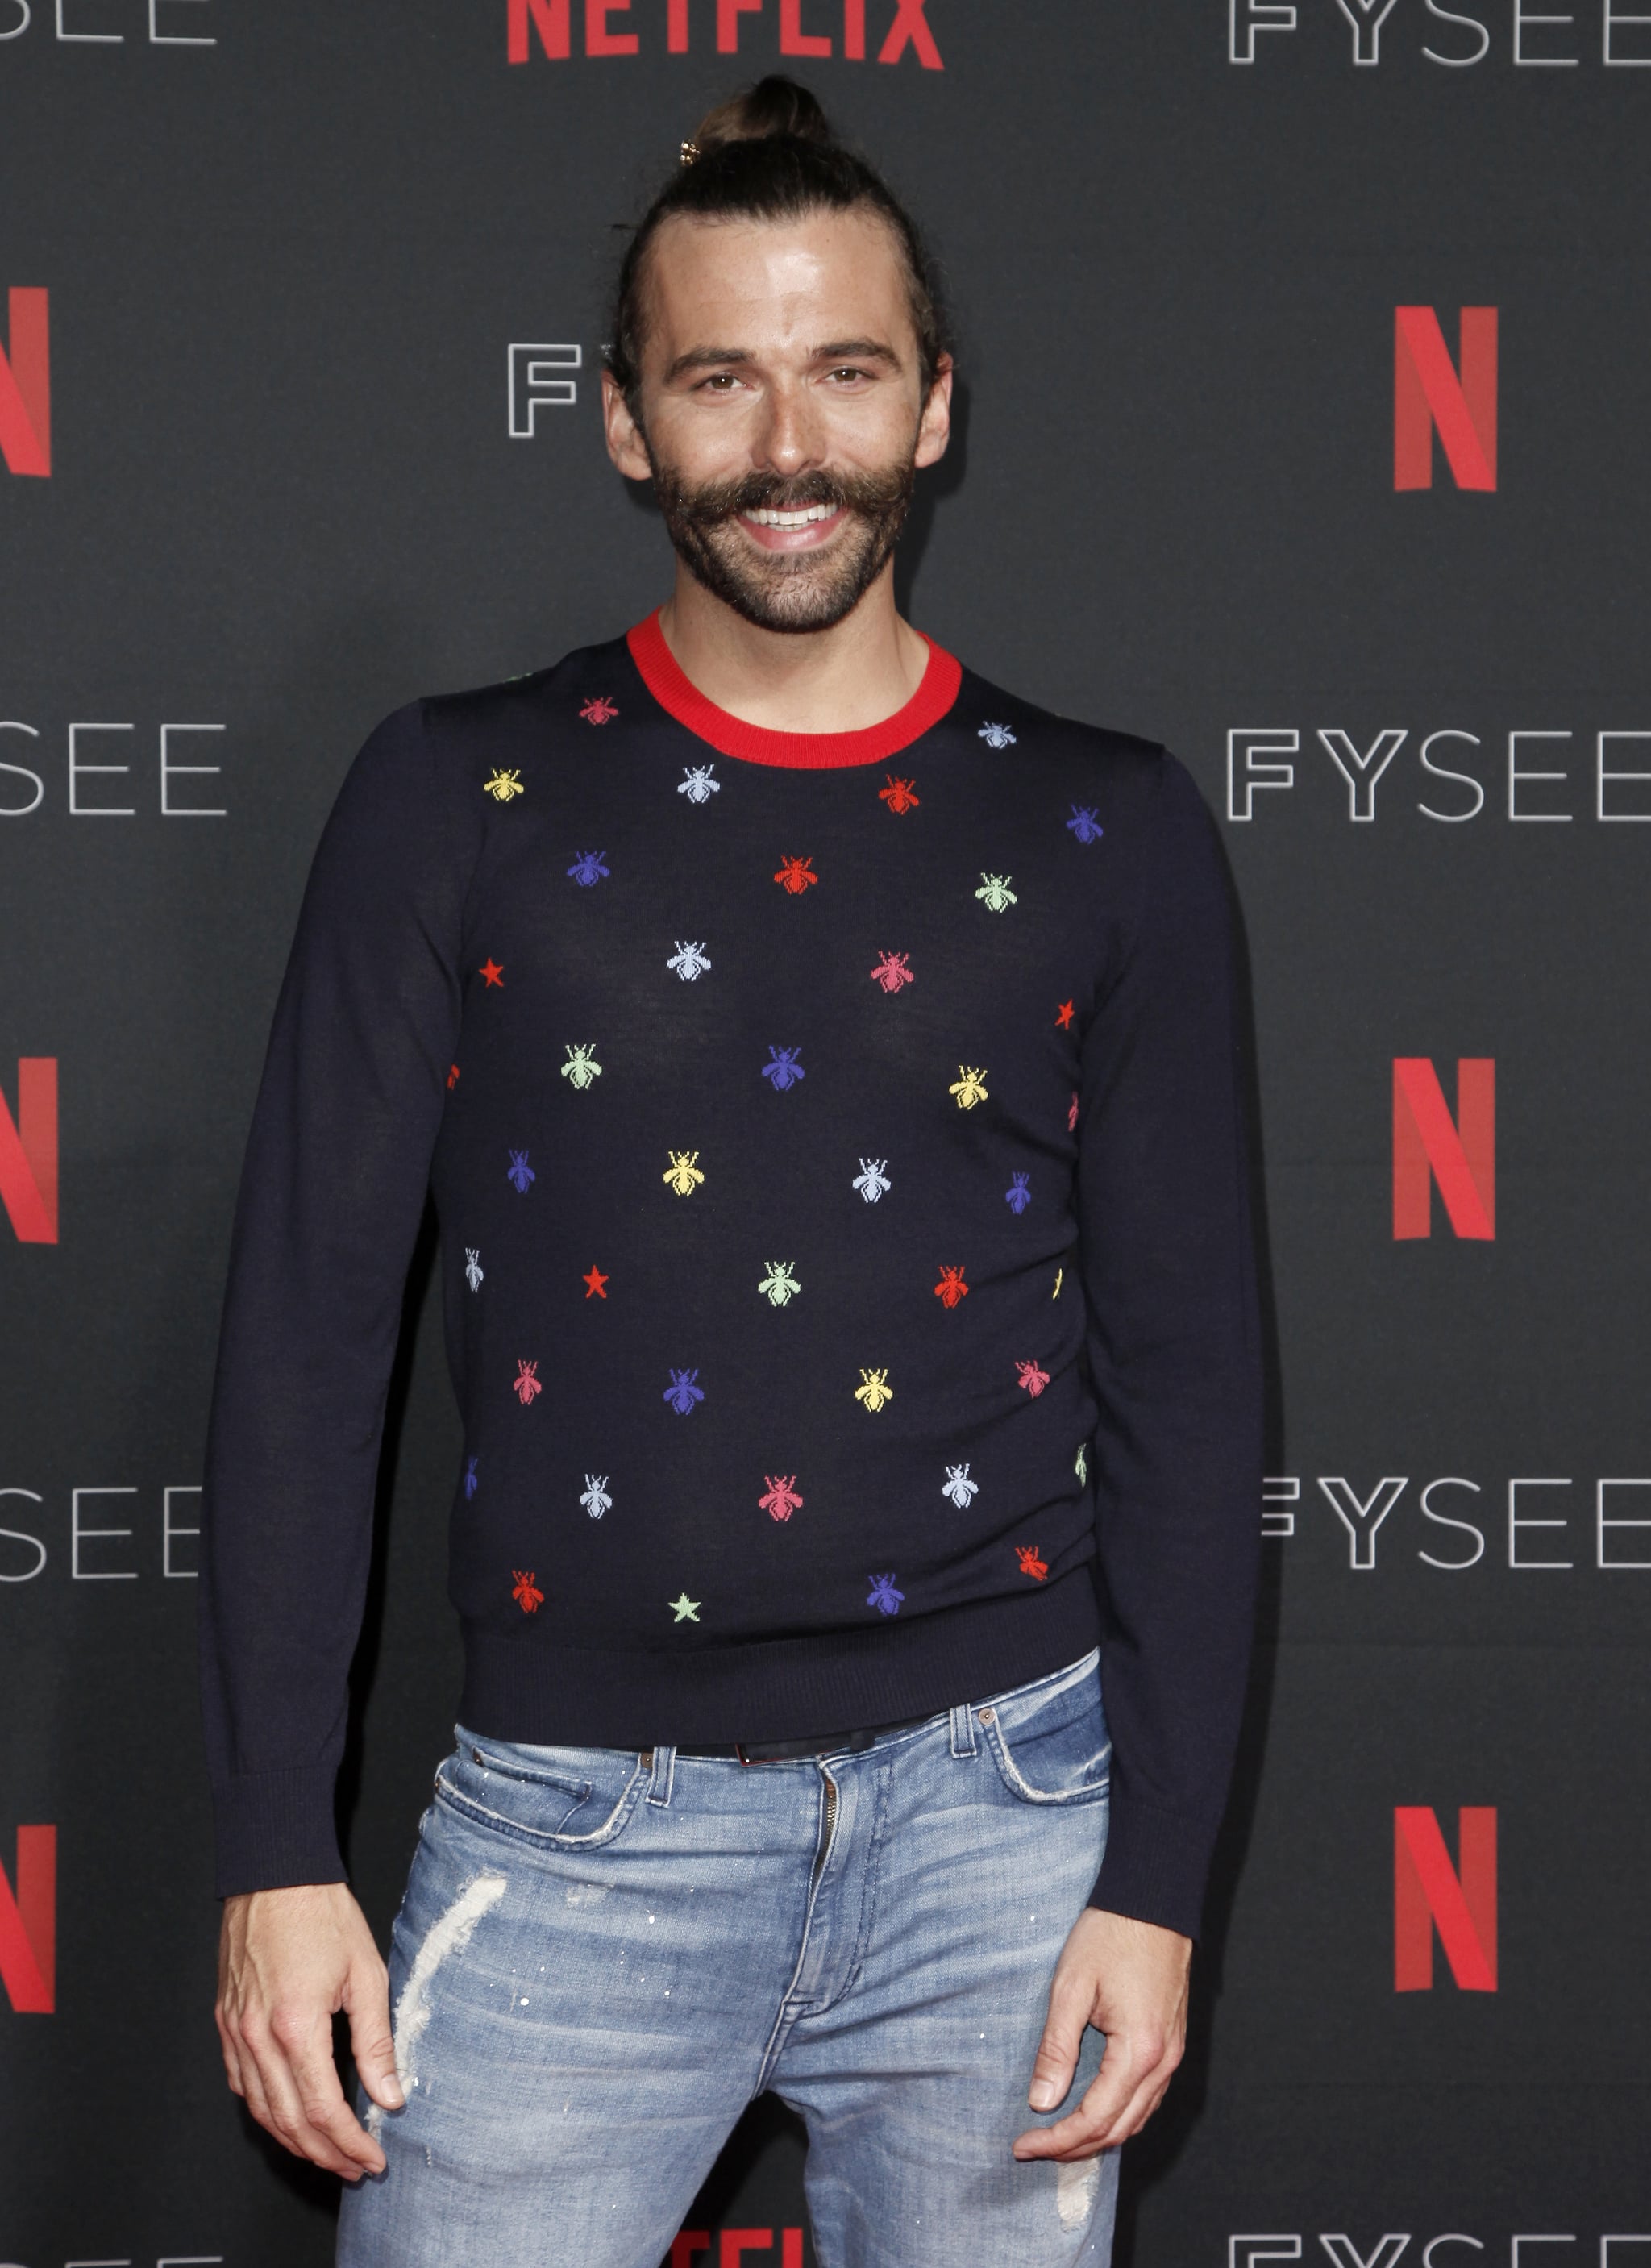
(768, 153)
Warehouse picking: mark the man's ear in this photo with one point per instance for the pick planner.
(934, 428)
(623, 436)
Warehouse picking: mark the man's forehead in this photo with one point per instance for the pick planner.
(819, 278)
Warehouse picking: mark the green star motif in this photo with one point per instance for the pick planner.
(687, 1609)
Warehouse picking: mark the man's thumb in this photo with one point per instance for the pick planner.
(373, 2047)
(1057, 2057)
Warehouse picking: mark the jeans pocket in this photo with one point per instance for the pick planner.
(566, 1799)
(1048, 1740)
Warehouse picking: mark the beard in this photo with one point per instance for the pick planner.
(785, 591)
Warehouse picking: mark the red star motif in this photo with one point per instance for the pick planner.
(594, 1283)
(1063, 1014)
(453, 1076)
(493, 970)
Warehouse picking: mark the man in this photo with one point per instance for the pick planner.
(826, 1065)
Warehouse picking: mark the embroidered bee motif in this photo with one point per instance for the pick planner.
(950, 1288)
(959, 1487)
(581, 1067)
(1085, 825)
(688, 961)
(970, 1088)
(526, 1592)
(897, 795)
(596, 1499)
(683, 1391)
(994, 888)
(502, 785)
(1017, 1196)
(884, 1595)
(782, 1498)
(599, 711)
(683, 1173)
(871, 1180)
(698, 784)
(471, 1484)
(473, 1269)
(1060, 1278)
(995, 736)
(874, 1390)
(892, 972)
(1072, 1117)
(588, 868)
(783, 1068)
(1030, 1562)
(795, 874)
(780, 1284)
(1080, 1464)
(521, 1172)
(1032, 1378)
(526, 1383)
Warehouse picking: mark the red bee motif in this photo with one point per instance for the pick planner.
(1032, 1378)
(598, 711)
(795, 874)
(453, 1077)
(782, 1498)
(1031, 1564)
(527, 1594)
(897, 795)
(951, 1287)
(527, 1382)
(892, 972)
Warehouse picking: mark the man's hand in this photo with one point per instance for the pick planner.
(288, 1961)
(1129, 1979)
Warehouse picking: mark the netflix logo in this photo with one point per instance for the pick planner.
(1430, 1146)
(808, 29)
(1432, 394)
(25, 386)
(28, 1924)
(1431, 1894)
(29, 1153)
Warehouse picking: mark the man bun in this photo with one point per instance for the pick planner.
(774, 106)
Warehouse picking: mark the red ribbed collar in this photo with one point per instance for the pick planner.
(663, 676)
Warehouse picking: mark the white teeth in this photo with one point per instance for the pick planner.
(791, 519)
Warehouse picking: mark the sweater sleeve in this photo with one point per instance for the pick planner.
(332, 1191)
(1170, 1280)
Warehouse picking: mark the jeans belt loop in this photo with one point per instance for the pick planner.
(962, 1730)
(662, 1777)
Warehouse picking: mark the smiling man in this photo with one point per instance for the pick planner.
(827, 1066)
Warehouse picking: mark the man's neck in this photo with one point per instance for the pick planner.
(863, 669)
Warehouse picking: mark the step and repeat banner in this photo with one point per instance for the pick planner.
(1305, 425)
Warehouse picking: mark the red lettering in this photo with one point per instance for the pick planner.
(791, 2248)
(794, 40)
(26, 391)
(1429, 1893)
(911, 28)
(854, 31)
(599, 41)
(691, 2240)
(1427, 393)
(28, 1925)
(728, 15)
(548, 19)
(1429, 1146)
(736, 2240)
(676, 40)
(29, 1153)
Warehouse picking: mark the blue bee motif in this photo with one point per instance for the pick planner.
(683, 1392)
(521, 1172)
(471, 1484)
(884, 1595)
(783, 1068)
(1017, 1196)
(1084, 826)
(588, 868)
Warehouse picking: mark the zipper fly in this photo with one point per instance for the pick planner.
(829, 1830)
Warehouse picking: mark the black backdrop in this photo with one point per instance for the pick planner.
(286, 267)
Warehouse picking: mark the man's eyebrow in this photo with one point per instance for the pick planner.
(858, 351)
(706, 358)
(834, 351)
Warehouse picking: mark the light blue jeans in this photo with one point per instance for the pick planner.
(603, 1958)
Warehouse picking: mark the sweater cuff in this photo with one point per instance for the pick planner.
(277, 1830)
(1155, 1868)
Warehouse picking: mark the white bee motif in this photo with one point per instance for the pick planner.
(871, 1180)
(688, 960)
(698, 784)
(596, 1499)
(958, 1485)
(472, 1267)
(997, 736)
(1080, 1464)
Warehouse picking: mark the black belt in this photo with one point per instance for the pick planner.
(782, 1752)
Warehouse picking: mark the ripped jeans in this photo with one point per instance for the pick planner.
(602, 1957)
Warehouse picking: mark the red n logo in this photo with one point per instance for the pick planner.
(28, 1925)
(29, 1153)
(1429, 1893)
(1429, 1146)
(25, 387)
(1428, 392)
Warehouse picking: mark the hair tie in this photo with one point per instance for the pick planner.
(690, 151)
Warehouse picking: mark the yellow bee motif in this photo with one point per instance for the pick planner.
(969, 1087)
(502, 785)
(874, 1390)
(683, 1173)
(1059, 1277)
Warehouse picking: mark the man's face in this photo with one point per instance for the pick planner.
(783, 419)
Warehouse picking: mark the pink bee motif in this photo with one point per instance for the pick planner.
(1032, 1378)
(526, 1592)
(897, 795)
(782, 1498)
(599, 712)
(892, 972)
(1071, 1116)
(952, 1288)
(527, 1382)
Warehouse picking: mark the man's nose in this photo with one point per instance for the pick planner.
(789, 440)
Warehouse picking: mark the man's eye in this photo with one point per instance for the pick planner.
(721, 381)
(848, 370)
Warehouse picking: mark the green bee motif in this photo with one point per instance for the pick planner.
(994, 888)
(582, 1068)
(780, 1284)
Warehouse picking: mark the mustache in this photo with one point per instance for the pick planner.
(872, 495)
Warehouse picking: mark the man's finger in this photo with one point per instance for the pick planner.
(232, 2055)
(1121, 2100)
(371, 2043)
(320, 2101)
(1057, 2057)
(278, 2103)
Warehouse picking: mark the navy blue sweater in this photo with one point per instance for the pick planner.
(847, 1272)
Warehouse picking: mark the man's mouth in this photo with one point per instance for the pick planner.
(800, 529)
(791, 519)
